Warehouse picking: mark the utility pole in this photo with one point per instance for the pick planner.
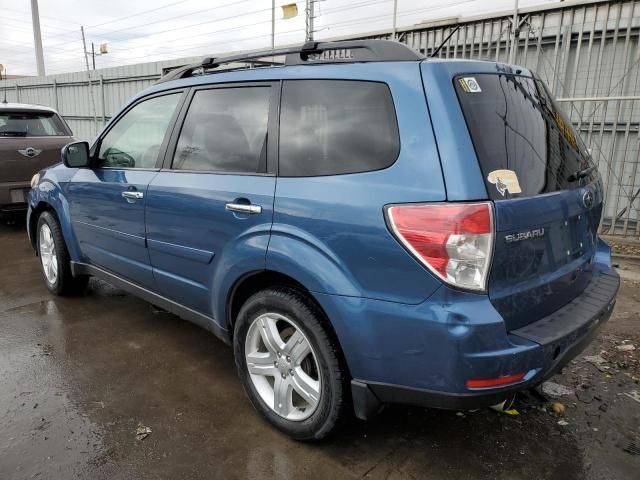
(103, 51)
(93, 101)
(309, 11)
(37, 37)
(514, 34)
(273, 24)
(395, 16)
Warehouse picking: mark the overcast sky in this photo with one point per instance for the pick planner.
(149, 30)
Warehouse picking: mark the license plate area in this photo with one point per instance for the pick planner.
(577, 237)
(19, 195)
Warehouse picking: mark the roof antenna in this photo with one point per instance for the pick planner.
(437, 50)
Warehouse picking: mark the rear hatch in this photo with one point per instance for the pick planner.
(546, 191)
(29, 141)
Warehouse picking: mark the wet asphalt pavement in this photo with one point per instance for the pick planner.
(79, 375)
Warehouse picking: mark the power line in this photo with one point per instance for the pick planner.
(55, 19)
(408, 12)
(185, 48)
(233, 41)
(28, 13)
(72, 51)
(143, 36)
(142, 44)
(194, 24)
(24, 24)
(208, 22)
(143, 12)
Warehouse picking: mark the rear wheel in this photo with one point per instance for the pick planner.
(289, 364)
(54, 258)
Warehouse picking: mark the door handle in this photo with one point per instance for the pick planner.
(132, 195)
(243, 208)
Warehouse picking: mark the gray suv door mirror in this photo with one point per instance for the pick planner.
(76, 155)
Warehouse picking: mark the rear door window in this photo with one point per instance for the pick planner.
(523, 141)
(331, 127)
(225, 130)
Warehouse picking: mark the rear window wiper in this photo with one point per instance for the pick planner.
(13, 133)
(580, 174)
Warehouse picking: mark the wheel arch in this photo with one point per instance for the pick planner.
(33, 220)
(253, 282)
(58, 206)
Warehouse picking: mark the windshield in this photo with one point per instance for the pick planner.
(31, 124)
(524, 143)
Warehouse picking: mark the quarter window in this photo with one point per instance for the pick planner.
(330, 127)
(225, 130)
(134, 142)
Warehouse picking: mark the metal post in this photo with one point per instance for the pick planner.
(310, 4)
(4, 88)
(37, 37)
(514, 34)
(273, 24)
(102, 101)
(55, 95)
(93, 55)
(395, 16)
(93, 101)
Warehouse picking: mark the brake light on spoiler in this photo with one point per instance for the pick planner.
(453, 240)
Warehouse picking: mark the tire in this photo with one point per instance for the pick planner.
(318, 377)
(55, 262)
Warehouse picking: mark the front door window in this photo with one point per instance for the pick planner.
(135, 141)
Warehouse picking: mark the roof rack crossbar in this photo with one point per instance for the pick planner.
(360, 51)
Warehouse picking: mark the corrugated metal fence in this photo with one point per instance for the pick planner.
(85, 105)
(587, 51)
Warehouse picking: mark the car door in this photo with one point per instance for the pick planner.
(107, 202)
(209, 211)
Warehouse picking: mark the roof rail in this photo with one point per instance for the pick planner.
(310, 52)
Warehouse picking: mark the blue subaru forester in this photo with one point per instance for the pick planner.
(363, 225)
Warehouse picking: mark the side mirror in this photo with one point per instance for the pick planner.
(76, 155)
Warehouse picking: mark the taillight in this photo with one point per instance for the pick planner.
(495, 382)
(453, 240)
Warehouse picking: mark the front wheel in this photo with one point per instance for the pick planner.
(289, 364)
(54, 258)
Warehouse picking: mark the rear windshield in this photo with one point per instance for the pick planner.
(31, 124)
(524, 143)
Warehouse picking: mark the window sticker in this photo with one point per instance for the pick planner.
(470, 85)
(505, 181)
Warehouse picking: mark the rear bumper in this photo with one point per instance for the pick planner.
(14, 209)
(540, 349)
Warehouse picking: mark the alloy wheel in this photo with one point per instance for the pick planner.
(283, 366)
(48, 254)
